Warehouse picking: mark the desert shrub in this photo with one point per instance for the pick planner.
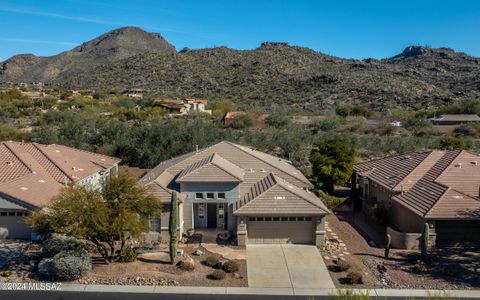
(186, 265)
(211, 261)
(420, 268)
(231, 266)
(465, 130)
(129, 254)
(331, 201)
(217, 275)
(354, 278)
(71, 265)
(451, 143)
(6, 273)
(342, 265)
(57, 244)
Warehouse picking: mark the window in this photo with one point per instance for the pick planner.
(201, 210)
(300, 219)
(220, 206)
(291, 219)
(251, 219)
(19, 214)
(308, 219)
(260, 219)
(221, 195)
(198, 195)
(210, 196)
(3, 213)
(154, 224)
(276, 219)
(268, 219)
(11, 214)
(284, 219)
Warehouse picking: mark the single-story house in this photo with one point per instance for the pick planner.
(32, 174)
(455, 119)
(229, 187)
(438, 188)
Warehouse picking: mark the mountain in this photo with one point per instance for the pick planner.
(272, 75)
(104, 50)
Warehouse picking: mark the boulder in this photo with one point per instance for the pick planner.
(198, 252)
(45, 267)
(3, 233)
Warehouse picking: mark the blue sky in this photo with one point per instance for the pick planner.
(352, 29)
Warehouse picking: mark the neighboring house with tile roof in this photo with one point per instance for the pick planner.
(440, 188)
(229, 187)
(455, 119)
(32, 174)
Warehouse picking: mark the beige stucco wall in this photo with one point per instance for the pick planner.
(404, 219)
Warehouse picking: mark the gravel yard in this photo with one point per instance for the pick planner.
(151, 269)
(451, 269)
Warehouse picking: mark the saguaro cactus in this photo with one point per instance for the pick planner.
(172, 227)
(424, 240)
(388, 241)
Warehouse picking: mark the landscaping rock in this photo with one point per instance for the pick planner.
(45, 267)
(3, 233)
(198, 252)
(180, 252)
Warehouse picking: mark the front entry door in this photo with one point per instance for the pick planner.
(212, 215)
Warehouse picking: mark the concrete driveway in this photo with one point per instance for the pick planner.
(286, 266)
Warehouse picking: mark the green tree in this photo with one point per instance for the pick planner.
(332, 162)
(103, 218)
(172, 227)
(451, 143)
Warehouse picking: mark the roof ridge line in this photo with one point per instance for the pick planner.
(268, 163)
(81, 150)
(18, 157)
(212, 162)
(436, 202)
(252, 189)
(51, 160)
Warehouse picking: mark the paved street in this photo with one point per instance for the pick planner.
(286, 266)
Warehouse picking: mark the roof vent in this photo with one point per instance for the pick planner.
(279, 197)
(250, 170)
(459, 165)
(262, 170)
(9, 163)
(42, 181)
(474, 162)
(23, 188)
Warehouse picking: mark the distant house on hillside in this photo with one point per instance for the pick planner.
(455, 119)
(33, 94)
(437, 188)
(32, 174)
(177, 106)
(134, 93)
(231, 117)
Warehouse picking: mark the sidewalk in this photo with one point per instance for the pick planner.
(94, 290)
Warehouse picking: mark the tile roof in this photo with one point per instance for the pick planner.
(434, 185)
(34, 173)
(458, 117)
(241, 162)
(211, 168)
(274, 196)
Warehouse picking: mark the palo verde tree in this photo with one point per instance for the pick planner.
(118, 213)
(172, 227)
(332, 163)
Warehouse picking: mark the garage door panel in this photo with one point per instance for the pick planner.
(458, 234)
(280, 232)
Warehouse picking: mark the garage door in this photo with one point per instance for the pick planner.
(280, 230)
(458, 234)
(15, 223)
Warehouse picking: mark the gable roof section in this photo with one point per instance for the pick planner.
(427, 191)
(212, 168)
(33, 173)
(392, 170)
(274, 196)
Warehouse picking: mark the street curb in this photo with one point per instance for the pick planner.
(263, 291)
